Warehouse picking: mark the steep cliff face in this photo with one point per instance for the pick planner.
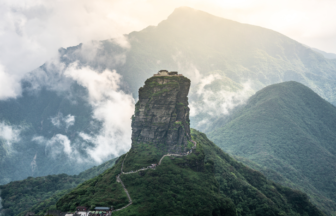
(205, 182)
(162, 114)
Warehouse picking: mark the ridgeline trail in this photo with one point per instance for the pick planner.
(131, 172)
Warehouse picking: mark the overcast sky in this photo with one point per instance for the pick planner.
(31, 31)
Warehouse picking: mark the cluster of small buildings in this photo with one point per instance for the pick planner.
(80, 211)
(166, 73)
(98, 211)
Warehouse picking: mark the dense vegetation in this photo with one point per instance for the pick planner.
(141, 156)
(99, 191)
(41, 193)
(251, 192)
(232, 52)
(287, 132)
(207, 182)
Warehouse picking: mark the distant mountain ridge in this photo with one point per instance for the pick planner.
(163, 175)
(325, 54)
(204, 46)
(41, 193)
(227, 62)
(287, 128)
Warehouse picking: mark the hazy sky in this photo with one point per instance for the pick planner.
(31, 31)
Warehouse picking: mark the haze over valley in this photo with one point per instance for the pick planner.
(257, 105)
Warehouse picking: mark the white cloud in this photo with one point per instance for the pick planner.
(63, 141)
(59, 120)
(69, 121)
(188, 68)
(34, 30)
(111, 106)
(206, 81)
(216, 103)
(9, 85)
(58, 145)
(89, 52)
(52, 74)
(9, 134)
(207, 103)
(56, 121)
(31, 31)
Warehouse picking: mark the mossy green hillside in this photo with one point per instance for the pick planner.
(179, 186)
(291, 130)
(102, 190)
(175, 187)
(206, 182)
(250, 190)
(143, 155)
(41, 193)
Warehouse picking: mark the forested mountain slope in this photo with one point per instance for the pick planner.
(227, 62)
(206, 182)
(290, 129)
(219, 55)
(41, 193)
(172, 170)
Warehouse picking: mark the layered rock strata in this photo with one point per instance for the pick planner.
(162, 114)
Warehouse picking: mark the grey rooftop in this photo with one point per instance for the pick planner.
(102, 208)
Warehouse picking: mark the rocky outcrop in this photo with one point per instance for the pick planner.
(162, 114)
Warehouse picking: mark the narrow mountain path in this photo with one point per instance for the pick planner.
(168, 155)
(131, 172)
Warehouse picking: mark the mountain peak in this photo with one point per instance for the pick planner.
(284, 127)
(162, 112)
(188, 11)
(290, 91)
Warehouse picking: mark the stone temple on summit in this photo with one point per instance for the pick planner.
(166, 73)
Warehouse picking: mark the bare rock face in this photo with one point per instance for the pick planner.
(162, 114)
